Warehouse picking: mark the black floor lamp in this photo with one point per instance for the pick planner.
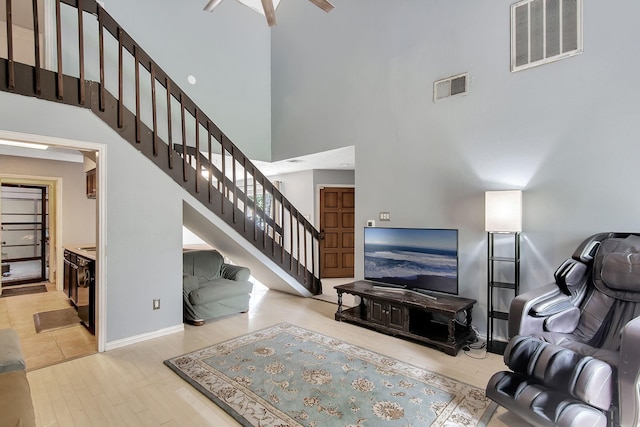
(503, 224)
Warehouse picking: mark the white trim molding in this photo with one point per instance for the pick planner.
(112, 345)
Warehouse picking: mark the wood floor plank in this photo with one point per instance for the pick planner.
(127, 415)
(87, 368)
(154, 407)
(147, 418)
(92, 408)
(45, 415)
(56, 397)
(177, 411)
(70, 396)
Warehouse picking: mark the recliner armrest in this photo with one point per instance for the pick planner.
(235, 272)
(629, 374)
(551, 306)
(564, 321)
(520, 322)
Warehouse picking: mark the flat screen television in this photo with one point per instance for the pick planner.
(418, 259)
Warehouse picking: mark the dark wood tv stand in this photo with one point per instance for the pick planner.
(410, 315)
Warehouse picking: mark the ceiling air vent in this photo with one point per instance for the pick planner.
(454, 85)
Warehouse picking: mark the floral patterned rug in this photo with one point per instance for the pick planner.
(289, 376)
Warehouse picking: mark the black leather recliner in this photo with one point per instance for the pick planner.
(574, 352)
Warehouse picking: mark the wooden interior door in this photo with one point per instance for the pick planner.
(337, 213)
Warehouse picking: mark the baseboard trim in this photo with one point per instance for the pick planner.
(112, 345)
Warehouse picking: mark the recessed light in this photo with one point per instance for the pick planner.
(23, 144)
(191, 79)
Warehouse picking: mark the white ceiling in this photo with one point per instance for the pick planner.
(257, 5)
(340, 158)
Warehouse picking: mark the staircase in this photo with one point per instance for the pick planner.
(166, 126)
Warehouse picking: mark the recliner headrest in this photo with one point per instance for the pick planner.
(621, 271)
(616, 270)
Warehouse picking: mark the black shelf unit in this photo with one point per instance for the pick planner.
(497, 266)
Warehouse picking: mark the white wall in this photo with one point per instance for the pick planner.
(144, 218)
(566, 133)
(297, 187)
(144, 248)
(228, 51)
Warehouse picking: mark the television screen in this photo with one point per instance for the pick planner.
(413, 258)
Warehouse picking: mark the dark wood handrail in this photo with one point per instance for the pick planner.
(266, 218)
(243, 196)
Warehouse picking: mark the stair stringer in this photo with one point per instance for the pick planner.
(217, 233)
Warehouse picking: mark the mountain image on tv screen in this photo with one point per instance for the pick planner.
(423, 259)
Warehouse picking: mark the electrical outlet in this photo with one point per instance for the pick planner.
(156, 304)
(385, 216)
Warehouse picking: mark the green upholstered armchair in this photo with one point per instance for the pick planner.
(211, 288)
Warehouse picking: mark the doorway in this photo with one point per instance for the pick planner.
(337, 221)
(27, 172)
(24, 234)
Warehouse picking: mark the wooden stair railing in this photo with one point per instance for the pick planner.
(164, 124)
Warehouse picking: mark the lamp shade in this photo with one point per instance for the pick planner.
(503, 211)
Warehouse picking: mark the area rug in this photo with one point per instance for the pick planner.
(289, 376)
(12, 292)
(56, 319)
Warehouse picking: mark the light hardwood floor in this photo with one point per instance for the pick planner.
(130, 386)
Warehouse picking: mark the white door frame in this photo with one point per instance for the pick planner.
(101, 218)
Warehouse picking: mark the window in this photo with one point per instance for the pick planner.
(543, 31)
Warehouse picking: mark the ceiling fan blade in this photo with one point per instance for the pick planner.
(269, 12)
(212, 5)
(323, 4)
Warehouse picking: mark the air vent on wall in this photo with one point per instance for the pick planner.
(454, 85)
(543, 31)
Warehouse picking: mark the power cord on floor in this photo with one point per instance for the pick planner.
(470, 350)
(475, 344)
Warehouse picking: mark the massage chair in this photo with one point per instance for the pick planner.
(574, 352)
